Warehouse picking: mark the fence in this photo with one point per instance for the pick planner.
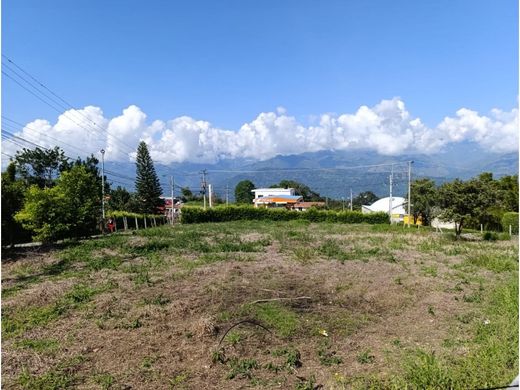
(134, 221)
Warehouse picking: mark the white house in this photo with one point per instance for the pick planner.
(398, 204)
(261, 192)
(275, 197)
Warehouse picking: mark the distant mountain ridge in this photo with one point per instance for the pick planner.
(332, 173)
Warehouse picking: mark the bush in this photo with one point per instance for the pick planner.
(490, 236)
(236, 213)
(510, 218)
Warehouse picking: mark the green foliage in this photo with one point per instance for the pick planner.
(43, 214)
(293, 358)
(13, 194)
(490, 236)
(510, 218)
(147, 185)
(329, 358)
(242, 368)
(508, 192)
(276, 316)
(40, 166)
(365, 357)
(463, 201)
(306, 384)
(120, 199)
(364, 198)
(39, 345)
(70, 209)
(243, 192)
(104, 380)
(63, 376)
(493, 262)
(423, 199)
(234, 213)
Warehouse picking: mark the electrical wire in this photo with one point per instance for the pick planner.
(46, 98)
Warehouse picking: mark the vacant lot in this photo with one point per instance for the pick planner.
(341, 306)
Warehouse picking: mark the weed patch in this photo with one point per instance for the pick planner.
(275, 316)
(61, 377)
(493, 262)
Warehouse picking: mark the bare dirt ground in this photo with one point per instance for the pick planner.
(325, 306)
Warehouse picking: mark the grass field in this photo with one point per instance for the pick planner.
(341, 306)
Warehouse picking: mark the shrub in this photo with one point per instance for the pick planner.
(490, 236)
(510, 218)
(235, 213)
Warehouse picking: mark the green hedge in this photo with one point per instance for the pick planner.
(510, 218)
(235, 213)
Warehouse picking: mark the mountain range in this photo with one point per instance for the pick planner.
(331, 173)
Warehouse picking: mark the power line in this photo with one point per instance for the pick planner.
(39, 132)
(66, 106)
(7, 134)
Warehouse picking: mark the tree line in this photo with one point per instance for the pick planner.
(481, 200)
(46, 196)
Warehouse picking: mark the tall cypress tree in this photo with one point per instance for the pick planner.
(147, 183)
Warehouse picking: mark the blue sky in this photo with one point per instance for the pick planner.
(228, 61)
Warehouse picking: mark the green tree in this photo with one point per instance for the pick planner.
(363, 199)
(147, 185)
(243, 192)
(423, 199)
(120, 199)
(40, 166)
(508, 188)
(13, 194)
(69, 209)
(462, 202)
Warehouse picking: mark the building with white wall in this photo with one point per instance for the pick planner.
(383, 205)
(275, 197)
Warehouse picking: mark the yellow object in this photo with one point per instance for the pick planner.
(405, 220)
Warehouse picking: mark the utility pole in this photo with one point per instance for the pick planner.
(227, 194)
(204, 187)
(103, 186)
(171, 189)
(351, 199)
(390, 202)
(210, 195)
(409, 189)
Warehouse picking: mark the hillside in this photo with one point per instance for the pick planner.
(329, 173)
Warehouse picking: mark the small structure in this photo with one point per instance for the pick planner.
(168, 210)
(304, 206)
(275, 197)
(383, 205)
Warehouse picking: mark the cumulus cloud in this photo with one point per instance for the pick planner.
(387, 128)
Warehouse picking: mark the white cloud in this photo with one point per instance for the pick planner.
(387, 128)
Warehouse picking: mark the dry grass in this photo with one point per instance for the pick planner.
(148, 311)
